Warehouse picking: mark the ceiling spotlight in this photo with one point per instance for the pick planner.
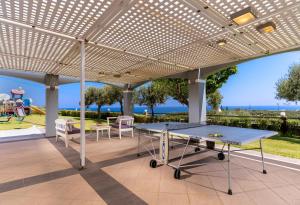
(221, 42)
(243, 16)
(117, 76)
(268, 27)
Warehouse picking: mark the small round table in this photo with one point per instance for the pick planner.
(101, 128)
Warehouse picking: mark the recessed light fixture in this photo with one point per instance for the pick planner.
(243, 16)
(221, 42)
(117, 76)
(268, 27)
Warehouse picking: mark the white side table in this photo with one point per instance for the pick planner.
(101, 128)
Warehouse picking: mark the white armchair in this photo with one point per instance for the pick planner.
(65, 129)
(122, 123)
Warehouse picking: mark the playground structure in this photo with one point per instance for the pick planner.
(14, 106)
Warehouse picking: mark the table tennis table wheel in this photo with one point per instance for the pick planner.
(197, 149)
(264, 171)
(229, 192)
(153, 163)
(177, 174)
(221, 156)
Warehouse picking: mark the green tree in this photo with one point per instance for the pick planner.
(214, 100)
(100, 100)
(178, 88)
(288, 87)
(114, 94)
(150, 95)
(90, 95)
(217, 80)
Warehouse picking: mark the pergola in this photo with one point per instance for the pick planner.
(129, 42)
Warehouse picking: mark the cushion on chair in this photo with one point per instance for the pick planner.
(74, 131)
(123, 126)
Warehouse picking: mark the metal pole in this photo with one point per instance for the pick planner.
(262, 157)
(82, 104)
(229, 172)
(139, 143)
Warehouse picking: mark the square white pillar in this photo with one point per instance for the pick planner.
(128, 102)
(197, 101)
(51, 82)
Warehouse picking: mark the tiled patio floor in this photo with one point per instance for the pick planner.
(41, 172)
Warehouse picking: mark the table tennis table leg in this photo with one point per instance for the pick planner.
(184, 151)
(229, 172)
(262, 156)
(139, 143)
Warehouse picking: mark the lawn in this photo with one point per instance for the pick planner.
(39, 120)
(278, 145)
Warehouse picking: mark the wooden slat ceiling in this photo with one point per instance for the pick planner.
(132, 41)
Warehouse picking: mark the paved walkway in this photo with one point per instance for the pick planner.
(41, 172)
(32, 132)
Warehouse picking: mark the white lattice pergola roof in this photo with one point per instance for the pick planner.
(132, 41)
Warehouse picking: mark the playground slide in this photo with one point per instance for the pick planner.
(37, 110)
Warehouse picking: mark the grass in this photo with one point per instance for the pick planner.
(30, 120)
(278, 145)
(39, 120)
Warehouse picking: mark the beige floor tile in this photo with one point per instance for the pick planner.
(265, 197)
(52, 201)
(200, 184)
(134, 177)
(173, 186)
(271, 180)
(289, 193)
(221, 185)
(147, 185)
(149, 198)
(18, 200)
(251, 185)
(172, 199)
(200, 199)
(235, 199)
(88, 202)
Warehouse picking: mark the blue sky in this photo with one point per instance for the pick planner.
(254, 84)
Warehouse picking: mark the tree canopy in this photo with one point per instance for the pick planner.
(106, 95)
(90, 95)
(288, 87)
(100, 99)
(214, 100)
(114, 94)
(178, 88)
(150, 95)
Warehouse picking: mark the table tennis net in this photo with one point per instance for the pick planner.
(181, 126)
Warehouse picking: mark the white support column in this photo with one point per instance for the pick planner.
(128, 102)
(82, 104)
(51, 82)
(197, 101)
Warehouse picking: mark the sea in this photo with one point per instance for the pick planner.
(184, 109)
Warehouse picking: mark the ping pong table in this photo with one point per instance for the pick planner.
(191, 132)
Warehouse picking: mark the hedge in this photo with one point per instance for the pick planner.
(276, 124)
(89, 114)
